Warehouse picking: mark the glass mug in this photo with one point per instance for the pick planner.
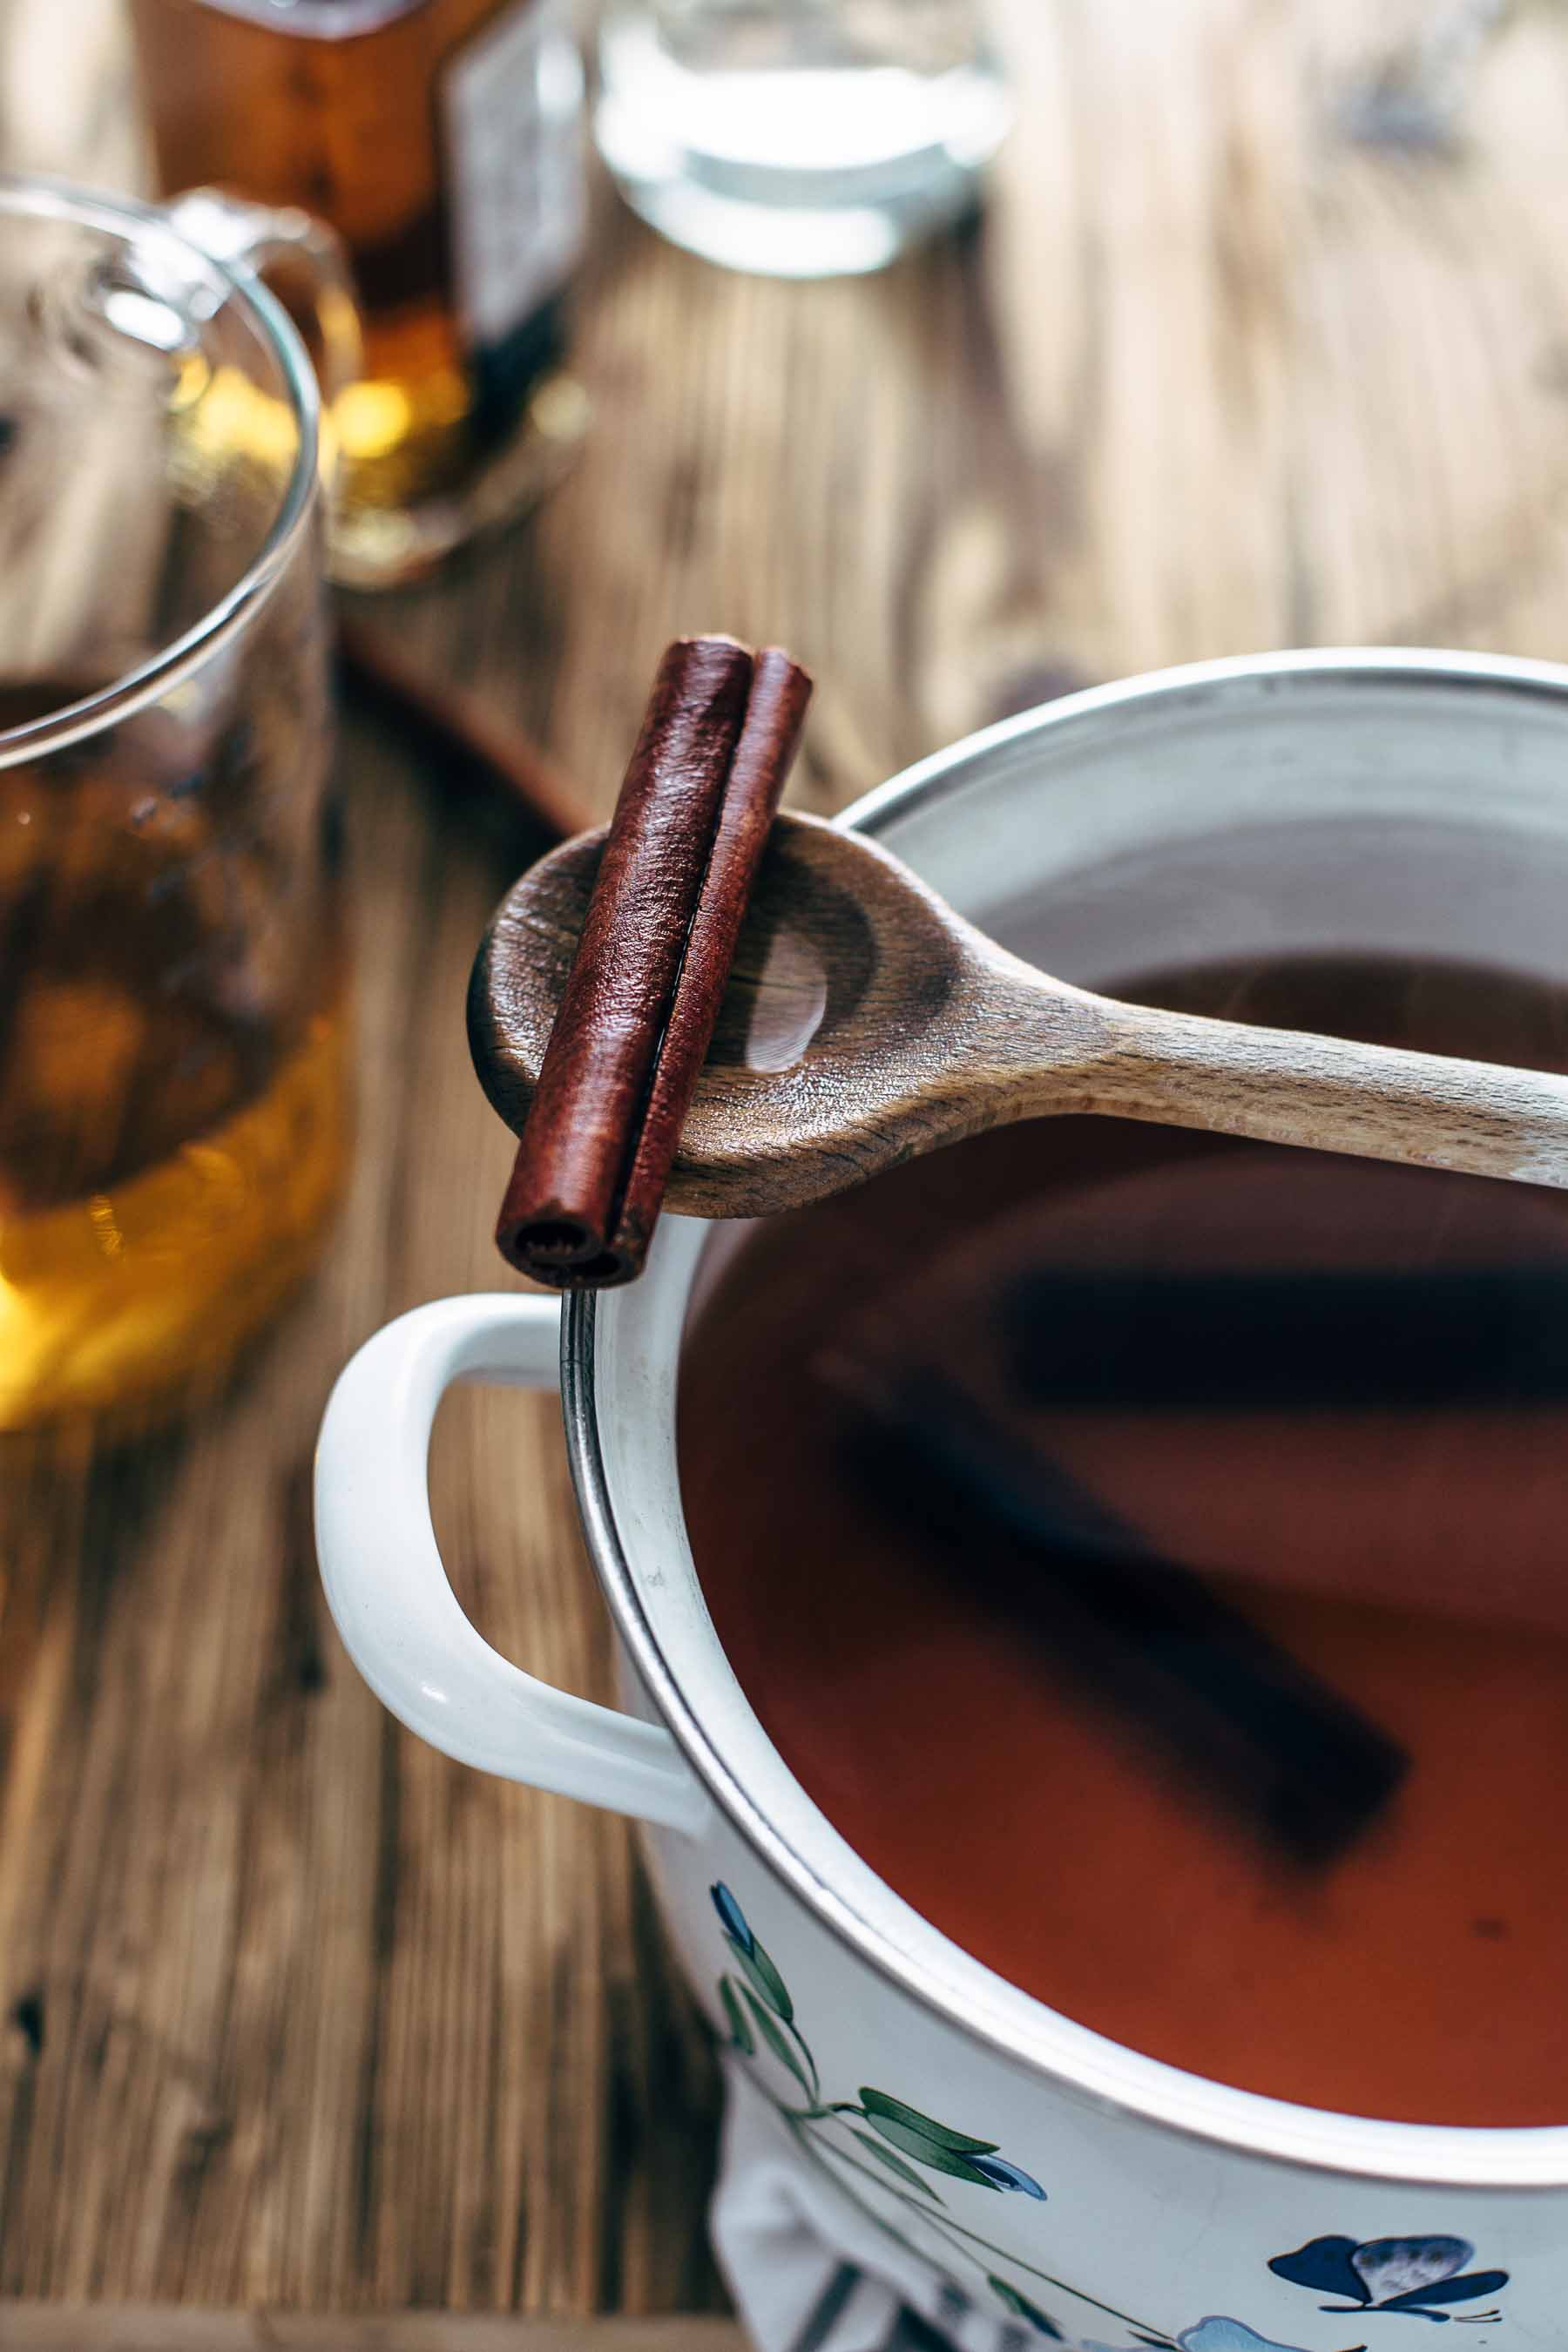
(174, 1081)
(1326, 804)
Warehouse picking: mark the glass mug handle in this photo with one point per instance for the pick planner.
(402, 1623)
(263, 237)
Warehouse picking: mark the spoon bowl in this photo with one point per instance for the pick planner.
(847, 997)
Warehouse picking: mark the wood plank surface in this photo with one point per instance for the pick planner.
(292, 2013)
(185, 2327)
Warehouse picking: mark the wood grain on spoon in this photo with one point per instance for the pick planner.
(866, 1022)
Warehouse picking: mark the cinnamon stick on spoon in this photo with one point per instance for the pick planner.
(912, 1028)
(658, 933)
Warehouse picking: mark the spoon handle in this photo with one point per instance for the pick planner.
(1376, 1102)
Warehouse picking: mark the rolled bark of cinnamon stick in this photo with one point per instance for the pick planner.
(644, 991)
(1274, 1743)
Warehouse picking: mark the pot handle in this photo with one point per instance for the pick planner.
(387, 1589)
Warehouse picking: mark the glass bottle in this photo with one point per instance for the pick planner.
(441, 138)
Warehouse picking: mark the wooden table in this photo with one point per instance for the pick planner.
(292, 2011)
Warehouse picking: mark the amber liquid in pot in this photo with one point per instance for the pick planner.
(1391, 1515)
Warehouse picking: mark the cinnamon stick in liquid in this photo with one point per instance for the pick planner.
(1272, 1742)
(644, 991)
(1280, 1340)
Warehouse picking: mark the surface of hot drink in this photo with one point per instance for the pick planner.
(1147, 1549)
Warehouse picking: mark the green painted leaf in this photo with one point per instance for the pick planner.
(768, 2028)
(894, 2163)
(877, 2104)
(926, 2151)
(769, 1985)
(739, 2031)
(1022, 2308)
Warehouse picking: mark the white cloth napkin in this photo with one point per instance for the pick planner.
(811, 2274)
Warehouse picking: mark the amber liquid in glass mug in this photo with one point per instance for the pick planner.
(1329, 1397)
(173, 1065)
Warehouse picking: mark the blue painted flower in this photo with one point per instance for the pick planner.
(1002, 2174)
(1217, 2335)
(734, 1918)
(1409, 2275)
(1213, 2335)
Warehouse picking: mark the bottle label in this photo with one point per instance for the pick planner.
(512, 99)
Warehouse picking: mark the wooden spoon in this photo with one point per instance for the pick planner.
(865, 1021)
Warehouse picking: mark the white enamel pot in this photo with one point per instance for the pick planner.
(1416, 802)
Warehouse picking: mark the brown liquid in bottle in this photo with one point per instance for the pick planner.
(1334, 1393)
(353, 127)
